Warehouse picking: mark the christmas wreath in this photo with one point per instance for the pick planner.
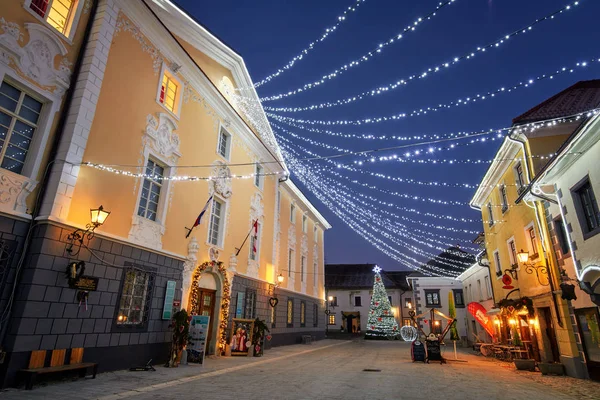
(517, 304)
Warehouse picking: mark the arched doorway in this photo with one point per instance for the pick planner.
(210, 294)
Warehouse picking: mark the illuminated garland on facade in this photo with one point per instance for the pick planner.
(225, 301)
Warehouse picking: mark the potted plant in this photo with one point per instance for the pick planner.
(258, 336)
(180, 326)
(552, 368)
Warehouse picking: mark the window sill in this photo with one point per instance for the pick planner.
(587, 235)
(61, 35)
(171, 113)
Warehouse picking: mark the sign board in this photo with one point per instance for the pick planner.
(87, 283)
(169, 297)
(433, 350)
(198, 335)
(418, 352)
(239, 305)
(479, 312)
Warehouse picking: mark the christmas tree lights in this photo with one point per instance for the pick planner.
(381, 323)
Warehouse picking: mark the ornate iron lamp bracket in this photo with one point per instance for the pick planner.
(539, 270)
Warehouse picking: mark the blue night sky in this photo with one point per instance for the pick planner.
(269, 33)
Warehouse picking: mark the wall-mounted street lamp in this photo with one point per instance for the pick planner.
(98, 217)
(279, 280)
(531, 267)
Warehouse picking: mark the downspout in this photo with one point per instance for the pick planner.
(60, 129)
(550, 276)
(478, 257)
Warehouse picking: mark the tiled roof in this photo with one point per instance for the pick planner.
(360, 276)
(455, 256)
(582, 96)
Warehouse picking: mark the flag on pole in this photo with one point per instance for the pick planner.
(255, 237)
(199, 219)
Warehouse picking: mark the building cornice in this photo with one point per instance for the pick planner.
(302, 198)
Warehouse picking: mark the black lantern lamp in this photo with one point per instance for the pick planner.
(531, 267)
(98, 217)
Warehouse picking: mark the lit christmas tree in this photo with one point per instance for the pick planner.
(381, 323)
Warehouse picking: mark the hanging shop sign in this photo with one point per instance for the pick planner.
(169, 298)
(480, 314)
(198, 335)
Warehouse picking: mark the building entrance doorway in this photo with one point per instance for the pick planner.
(588, 323)
(550, 345)
(352, 321)
(205, 306)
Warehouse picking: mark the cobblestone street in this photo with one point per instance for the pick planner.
(325, 370)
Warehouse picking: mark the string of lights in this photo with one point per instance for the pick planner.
(365, 57)
(427, 72)
(479, 97)
(338, 185)
(328, 31)
(358, 223)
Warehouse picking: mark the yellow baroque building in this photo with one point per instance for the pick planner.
(525, 258)
(136, 107)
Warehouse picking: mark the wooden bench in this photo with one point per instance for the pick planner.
(37, 364)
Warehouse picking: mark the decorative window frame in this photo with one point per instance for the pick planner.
(462, 295)
(427, 303)
(160, 142)
(15, 188)
(171, 71)
(222, 127)
(497, 263)
(79, 7)
(224, 221)
(510, 255)
(533, 253)
(579, 211)
(152, 284)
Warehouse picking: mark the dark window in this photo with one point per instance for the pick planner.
(504, 198)
(136, 296)
(587, 208)
(490, 215)
(315, 315)
(250, 305)
(513, 252)
(459, 301)
(561, 235)
(432, 298)
(357, 301)
(290, 313)
(390, 300)
(519, 176)
(302, 313)
(498, 265)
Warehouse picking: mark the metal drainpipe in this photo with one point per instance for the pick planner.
(552, 295)
(478, 258)
(60, 128)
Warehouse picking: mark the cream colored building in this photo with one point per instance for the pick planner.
(134, 106)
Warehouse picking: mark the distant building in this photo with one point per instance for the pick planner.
(350, 287)
(433, 292)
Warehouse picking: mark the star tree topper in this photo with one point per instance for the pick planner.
(377, 269)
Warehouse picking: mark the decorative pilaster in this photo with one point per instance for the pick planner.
(188, 270)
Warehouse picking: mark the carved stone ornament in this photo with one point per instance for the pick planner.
(256, 207)
(14, 190)
(36, 59)
(304, 245)
(220, 180)
(292, 237)
(146, 232)
(213, 254)
(160, 135)
(189, 266)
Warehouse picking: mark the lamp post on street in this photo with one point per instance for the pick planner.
(328, 305)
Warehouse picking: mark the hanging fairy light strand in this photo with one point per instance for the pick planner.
(328, 31)
(527, 83)
(365, 57)
(434, 69)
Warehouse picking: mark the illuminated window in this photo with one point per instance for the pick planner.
(290, 313)
(136, 294)
(150, 197)
(302, 314)
(273, 316)
(168, 92)
(331, 320)
(19, 115)
(57, 13)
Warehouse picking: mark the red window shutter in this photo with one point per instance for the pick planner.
(162, 93)
(39, 6)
